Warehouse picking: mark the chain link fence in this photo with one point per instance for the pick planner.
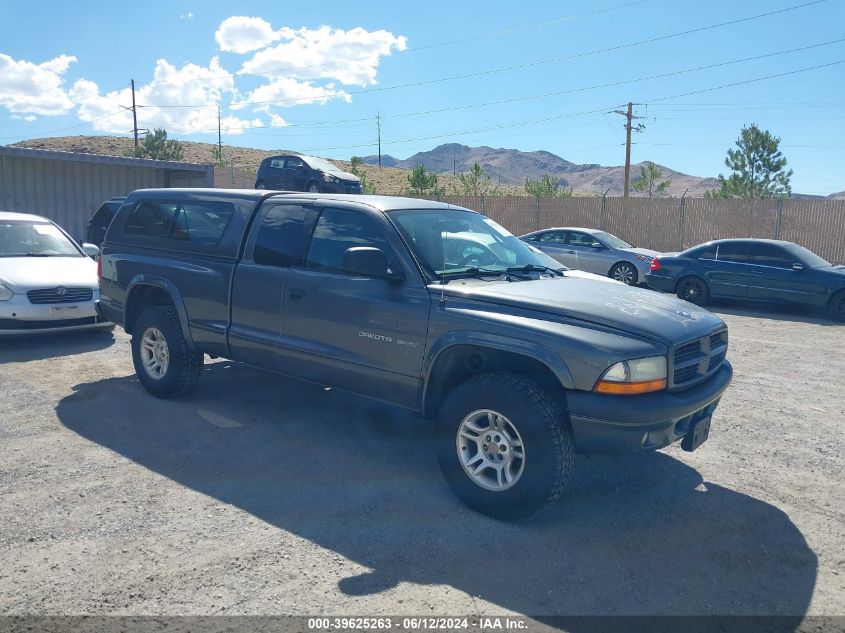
(672, 224)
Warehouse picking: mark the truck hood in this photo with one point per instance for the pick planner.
(28, 273)
(637, 311)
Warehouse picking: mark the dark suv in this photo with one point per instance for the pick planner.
(304, 173)
(95, 231)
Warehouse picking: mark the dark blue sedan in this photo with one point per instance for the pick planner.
(761, 270)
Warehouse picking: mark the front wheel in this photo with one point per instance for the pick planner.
(164, 363)
(261, 185)
(624, 272)
(694, 290)
(504, 445)
(836, 308)
(313, 188)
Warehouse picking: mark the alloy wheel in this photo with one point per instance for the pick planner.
(155, 355)
(490, 450)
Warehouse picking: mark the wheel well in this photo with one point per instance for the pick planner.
(460, 362)
(142, 297)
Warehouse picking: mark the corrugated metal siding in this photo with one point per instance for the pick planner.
(69, 192)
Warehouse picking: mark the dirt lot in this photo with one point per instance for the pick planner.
(261, 495)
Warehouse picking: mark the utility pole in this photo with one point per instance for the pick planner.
(629, 116)
(134, 116)
(378, 129)
(219, 137)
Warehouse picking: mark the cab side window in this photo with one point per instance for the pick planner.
(338, 230)
(281, 236)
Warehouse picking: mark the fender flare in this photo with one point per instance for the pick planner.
(529, 349)
(172, 292)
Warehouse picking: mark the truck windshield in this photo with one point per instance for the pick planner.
(450, 242)
(34, 239)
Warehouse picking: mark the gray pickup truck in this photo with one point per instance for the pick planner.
(431, 307)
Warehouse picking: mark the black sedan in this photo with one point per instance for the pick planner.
(761, 270)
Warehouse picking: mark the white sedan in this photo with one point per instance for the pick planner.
(48, 283)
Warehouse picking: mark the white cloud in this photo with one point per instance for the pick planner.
(351, 57)
(30, 88)
(240, 34)
(169, 101)
(290, 92)
(186, 16)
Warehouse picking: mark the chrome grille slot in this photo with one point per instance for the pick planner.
(60, 294)
(695, 360)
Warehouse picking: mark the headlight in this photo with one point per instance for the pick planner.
(630, 377)
(644, 258)
(330, 178)
(5, 293)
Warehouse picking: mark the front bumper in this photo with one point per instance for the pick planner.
(617, 425)
(18, 317)
(344, 186)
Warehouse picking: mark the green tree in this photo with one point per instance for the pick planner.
(475, 182)
(649, 181)
(546, 187)
(217, 156)
(158, 147)
(358, 169)
(759, 168)
(423, 182)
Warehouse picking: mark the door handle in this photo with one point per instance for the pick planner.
(571, 252)
(297, 294)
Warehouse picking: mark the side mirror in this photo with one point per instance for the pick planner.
(797, 267)
(368, 262)
(597, 245)
(91, 250)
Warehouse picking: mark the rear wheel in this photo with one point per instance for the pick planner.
(261, 185)
(836, 308)
(624, 272)
(694, 290)
(164, 363)
(504, 445)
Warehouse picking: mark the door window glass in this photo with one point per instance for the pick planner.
(736, 252)
(771, 255)
(338, 230)
(581, 239)
(552, 236)
(280, 237)
(277, 163)
(294, 163)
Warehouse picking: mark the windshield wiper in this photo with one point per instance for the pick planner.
(476, 271)
(528, 268)
(26, 255)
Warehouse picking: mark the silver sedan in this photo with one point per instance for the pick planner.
(48, 283)
(594, 251)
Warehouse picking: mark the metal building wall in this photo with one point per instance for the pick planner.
(69, 191)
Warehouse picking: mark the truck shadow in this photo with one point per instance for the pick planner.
(20, 349)
(641, 535)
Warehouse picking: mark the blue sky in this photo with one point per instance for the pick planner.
(329, 67)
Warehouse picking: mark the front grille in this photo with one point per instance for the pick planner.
(60, 294)
(21, 324)
(356, 188)
(694, 361)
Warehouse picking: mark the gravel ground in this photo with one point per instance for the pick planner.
(261, 495)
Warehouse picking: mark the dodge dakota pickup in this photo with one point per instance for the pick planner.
(519, 362)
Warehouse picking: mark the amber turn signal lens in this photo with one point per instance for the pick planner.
(630, 388)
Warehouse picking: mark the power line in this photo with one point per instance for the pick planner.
(593, 87)
(515, 67)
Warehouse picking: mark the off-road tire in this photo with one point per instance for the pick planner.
(543, 425)
(184, 366)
